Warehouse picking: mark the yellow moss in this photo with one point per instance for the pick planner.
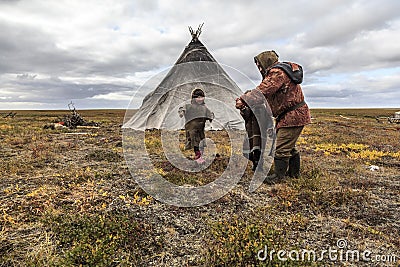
(7, 218)
(374, 231)
(353, 146)
(145, 201)
(336, 149)
(395, 155)
(40, 191)
(11, 189)
(355, 151)
(6, 127)
(373, 154)
(301, 141)
(224, 149)
(307, 131)
(161, 172)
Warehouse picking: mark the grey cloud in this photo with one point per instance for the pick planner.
(26, 49)
(26, 76)
(54, 89)
(346, 22)
(334, 40)
(324, 93)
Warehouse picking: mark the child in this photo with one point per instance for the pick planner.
(196, 114)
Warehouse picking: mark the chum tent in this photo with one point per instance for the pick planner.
(195, 68)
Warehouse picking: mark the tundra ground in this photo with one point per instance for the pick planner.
(67, 198)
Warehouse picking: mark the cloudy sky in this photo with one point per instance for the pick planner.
(98, 53)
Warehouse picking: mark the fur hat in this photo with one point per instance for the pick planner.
(266, 59)
(197, 92)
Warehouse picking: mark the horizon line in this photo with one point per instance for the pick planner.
(60, 109)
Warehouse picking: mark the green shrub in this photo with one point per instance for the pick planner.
(102, 240)
(100, 155)
(237, 243)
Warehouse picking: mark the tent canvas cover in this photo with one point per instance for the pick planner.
(195, 68)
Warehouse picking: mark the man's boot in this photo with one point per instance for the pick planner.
(280, 168)
(256, 159)
(294, 166)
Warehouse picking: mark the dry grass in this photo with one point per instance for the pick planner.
(69, 199)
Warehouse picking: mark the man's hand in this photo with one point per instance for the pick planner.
(239, 103)
(181, 112)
